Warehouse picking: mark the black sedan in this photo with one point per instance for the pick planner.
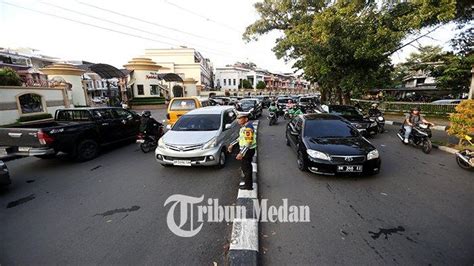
(328, 144)
(357, 119)
(4, 175)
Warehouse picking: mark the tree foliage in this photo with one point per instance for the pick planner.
(245, 84)
(462, 122)
(345, 46)
(261, 85)
(8, 77)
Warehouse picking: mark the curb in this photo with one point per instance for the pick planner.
(244, 247)
(445, 149)
(440, 128)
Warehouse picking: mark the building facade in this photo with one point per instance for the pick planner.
(186, 63)
(229, 78)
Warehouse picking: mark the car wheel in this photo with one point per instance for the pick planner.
(87, 150)
(222, 160)
(301, 162)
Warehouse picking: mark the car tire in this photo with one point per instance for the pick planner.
(87, 150)
(302, 165)
(222, 159)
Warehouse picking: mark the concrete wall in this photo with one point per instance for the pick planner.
(140, 79)
(53, 99)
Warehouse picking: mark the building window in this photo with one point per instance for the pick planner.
(31, 103)
(154, 90)
(233, 81)
(225, 84)
(229, 82)
(140, 89)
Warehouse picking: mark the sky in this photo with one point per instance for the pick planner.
(114, 32)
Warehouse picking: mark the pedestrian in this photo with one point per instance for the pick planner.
(248, 143)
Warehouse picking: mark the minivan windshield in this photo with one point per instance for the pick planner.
(202, 122)
(183, 105)
(329, 129)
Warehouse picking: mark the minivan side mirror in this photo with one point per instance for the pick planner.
(227, 126)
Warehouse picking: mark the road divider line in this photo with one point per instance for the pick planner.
(250, 194)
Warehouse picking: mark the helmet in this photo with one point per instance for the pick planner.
(146, 113)
(374, 105)
(416, 108)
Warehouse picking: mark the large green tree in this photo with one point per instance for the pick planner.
(345, 46)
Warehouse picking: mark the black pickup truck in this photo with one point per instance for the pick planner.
(79, 132)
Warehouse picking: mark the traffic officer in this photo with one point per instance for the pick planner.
(248, 143)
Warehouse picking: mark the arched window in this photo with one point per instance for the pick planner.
(31, 103)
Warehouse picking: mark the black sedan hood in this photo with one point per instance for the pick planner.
(339, 146)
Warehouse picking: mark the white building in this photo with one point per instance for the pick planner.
(229, 78)
(185, 62)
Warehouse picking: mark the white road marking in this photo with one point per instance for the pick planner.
(250, 194)
(244, 235)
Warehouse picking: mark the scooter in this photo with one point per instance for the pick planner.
(465, 158)
(148, 140)
(419, 137)
(272, 118)
(380, 122)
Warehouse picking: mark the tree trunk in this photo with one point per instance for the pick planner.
(324, 97)
(346, 98)
(339, 95)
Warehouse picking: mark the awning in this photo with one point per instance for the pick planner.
(103, 70)
(170, 77)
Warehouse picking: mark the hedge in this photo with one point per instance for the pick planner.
(147, 101)
(34, 117)
(405, 107)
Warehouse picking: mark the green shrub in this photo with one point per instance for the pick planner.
(8, 77)
(147, 101)
(462, 122)
(34, 117)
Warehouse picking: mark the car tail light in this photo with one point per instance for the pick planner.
(44, 138)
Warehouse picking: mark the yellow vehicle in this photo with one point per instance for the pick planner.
(178, 106)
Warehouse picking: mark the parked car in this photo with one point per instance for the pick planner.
(447, 101)
(328, 144)
(283, 101)
(252, 106)
(77, 131)
(200, 137)
(357, 119)
(4, 175)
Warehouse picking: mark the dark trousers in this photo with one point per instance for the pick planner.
(246, 165)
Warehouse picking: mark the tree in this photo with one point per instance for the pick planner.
(245, 84)
(8, 77)
(455, 72)
(345, 46)
(261, 85)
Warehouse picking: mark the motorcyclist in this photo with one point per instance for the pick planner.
(290, 104)
(273, 108)
(147, 123)
(374, 110)
(294, 111)
(413, 119)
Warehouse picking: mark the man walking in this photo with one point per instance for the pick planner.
(248, 143)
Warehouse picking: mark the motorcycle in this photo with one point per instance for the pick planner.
(148, 139)
(380, 121)
(465, 158)
(272, 118)
(419, 137)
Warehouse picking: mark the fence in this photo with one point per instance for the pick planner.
(405, 107)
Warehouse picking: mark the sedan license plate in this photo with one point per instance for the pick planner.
(24, 148)
(140, 141)
(182, 163)
(349, 168)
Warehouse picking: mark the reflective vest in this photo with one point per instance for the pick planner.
(247, 136)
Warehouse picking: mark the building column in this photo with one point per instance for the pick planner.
(71, 75)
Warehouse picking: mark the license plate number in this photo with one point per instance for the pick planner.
(349, 168)
(140, 141)
(24, 148)
(182, 163)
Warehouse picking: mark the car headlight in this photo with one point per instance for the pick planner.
(318, 155)
(380, 118)
(373, 155)
(161, 143)
(210, 144)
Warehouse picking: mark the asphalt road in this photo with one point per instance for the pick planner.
(108, 211)
(418, 210)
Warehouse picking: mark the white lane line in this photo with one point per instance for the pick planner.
(249, 194)
(244, 234)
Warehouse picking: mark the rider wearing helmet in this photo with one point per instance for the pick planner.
(147, 123)
(374, 110)
(413, 119)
